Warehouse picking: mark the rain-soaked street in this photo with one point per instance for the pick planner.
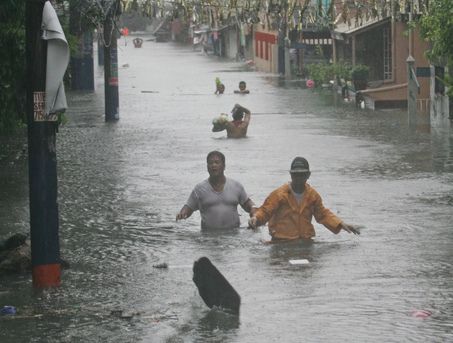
(121, 185)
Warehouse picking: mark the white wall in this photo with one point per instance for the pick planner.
(231, 43)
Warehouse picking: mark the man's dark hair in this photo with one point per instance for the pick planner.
(216, 153)
(238, 115)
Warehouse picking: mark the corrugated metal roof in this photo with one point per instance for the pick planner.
(357, 26)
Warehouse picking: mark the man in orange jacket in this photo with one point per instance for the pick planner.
(289, 209)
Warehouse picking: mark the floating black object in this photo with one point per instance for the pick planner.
(214, 289)
(13, 242)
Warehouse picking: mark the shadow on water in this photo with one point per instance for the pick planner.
(212, 326)
(281, 82)
(289, 256)
(281, 252)
(217, 319)
(234, 70)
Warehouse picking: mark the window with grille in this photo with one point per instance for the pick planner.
(387, 53)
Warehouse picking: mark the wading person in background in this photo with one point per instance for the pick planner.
(242, 88)
(217, 198)
(289, 209)
(219, 86)
(237, 128)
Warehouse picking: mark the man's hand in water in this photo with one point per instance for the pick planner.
(350, 228)
(185, 213)
(180, 216)
(253, 223)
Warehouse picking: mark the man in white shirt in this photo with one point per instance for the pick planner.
(217, 198)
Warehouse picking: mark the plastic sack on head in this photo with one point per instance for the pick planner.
(219, 123)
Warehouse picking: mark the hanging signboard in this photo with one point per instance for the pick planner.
(39, 104)
(47, 104)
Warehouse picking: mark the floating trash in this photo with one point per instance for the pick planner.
(8, 310)
(421, 314)
(301, 261)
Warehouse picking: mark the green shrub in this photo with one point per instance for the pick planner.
(342, 70)
(320, 73)
(323, 73)
(12, 66)
(360, 72)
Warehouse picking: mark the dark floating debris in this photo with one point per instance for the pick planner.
(161, 265)
(214, 288)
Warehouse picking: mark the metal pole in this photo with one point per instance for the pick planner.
(411, 92)
(410, 38)
(45, 248)
(412, 83)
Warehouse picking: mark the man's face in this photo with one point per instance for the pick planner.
(215, 166)
(299, 179)
(242, 86)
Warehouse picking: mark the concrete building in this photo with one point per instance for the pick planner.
(265, 49)
(383, 45)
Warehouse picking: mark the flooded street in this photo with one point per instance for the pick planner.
(121, 185)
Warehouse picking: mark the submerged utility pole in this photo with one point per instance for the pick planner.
(82, 64)
(45, 248)
(111, 64)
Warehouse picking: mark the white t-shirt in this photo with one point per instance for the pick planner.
(218, 210)
(298, 196)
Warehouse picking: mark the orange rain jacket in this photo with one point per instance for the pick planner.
(290, 220)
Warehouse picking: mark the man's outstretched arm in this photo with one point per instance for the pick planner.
(185, 213)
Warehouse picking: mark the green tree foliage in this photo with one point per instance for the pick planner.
(437, 27)
(12, 66)
(13, 62)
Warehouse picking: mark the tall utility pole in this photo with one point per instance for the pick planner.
(111, 64)
(82, 64)
(45, 248)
